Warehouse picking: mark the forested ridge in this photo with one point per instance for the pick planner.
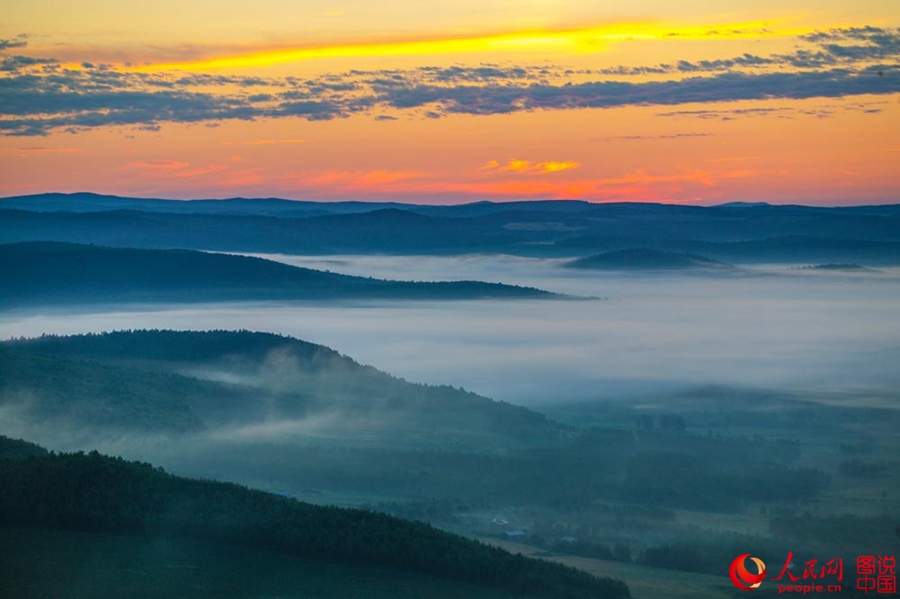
(735, 233)
(96, 493)
(158, 380)
(646, 259)
(50, 273)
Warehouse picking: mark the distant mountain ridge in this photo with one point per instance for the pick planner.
(37, 273)
(94, 202)
(738, 232)
(82, 202)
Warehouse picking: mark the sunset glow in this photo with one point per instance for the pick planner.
(639, 102)
(577, 40)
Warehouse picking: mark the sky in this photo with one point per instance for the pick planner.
(696, 101)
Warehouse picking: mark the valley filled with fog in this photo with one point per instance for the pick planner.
(638, 421)
(625, 335)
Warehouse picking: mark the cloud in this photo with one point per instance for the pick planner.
(198, 172)
(723, 87)
(20, 41)
(22, 151)
(15, 63)
(157, 165)
(876, 36)
(41, 96)
(311, 110)
(828, 49)
(653, 137)
(36, 104)
(455, 74)
(264, 142)
(372, 180)
(684, 66)
(784, 112)
(176, 169)
(526, 166)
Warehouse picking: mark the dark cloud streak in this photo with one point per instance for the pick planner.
(608, 94)
(20, 41)
(39, 95)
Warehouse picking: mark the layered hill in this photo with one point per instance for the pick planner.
(281, 414)
(190, 381)
(42, 273)
(735, 233)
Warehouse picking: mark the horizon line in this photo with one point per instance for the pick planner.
(732, 203)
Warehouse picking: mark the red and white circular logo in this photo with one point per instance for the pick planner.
(741, 576)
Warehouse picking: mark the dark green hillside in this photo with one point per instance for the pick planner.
(647, 259)
(180, 346)
(40, 562)
(62, 273)
(383, 435)
(85, 393)
(137, 379)
(95, 493)
(19, 448)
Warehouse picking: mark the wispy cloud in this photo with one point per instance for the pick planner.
(263, 142)
(20, 41)
(529, 167)
(174, 168)
(491, 99)
(837, 47)
(31, 150)
(156, 165)
(783, 112)
(44, 96)
(378, 179)
(652, 137)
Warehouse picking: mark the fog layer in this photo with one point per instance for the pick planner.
(771, 327)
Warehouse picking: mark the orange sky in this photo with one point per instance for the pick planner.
(640, 101)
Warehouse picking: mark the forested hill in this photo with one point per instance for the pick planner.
(181, 346)
(96, 493)
(183, 381)
(648, 259)
(64, 273)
